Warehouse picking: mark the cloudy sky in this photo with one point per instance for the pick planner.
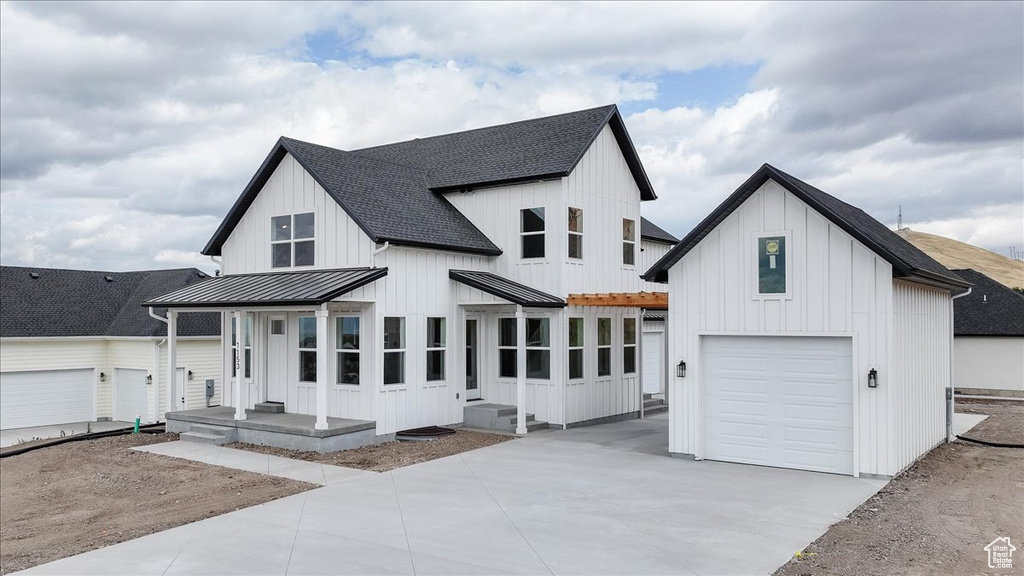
(128, 129)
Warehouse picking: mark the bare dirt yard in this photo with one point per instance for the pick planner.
(68, 499)
(938, 515)
(390, 455)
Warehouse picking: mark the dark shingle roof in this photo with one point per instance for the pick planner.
(906, 259)
(270, 288)
(651, 231)
(506, 289)
(73, 303)
(991, 309)
(395, 192)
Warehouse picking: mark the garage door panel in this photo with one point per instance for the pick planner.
(734, 385)
(41, 398)
(743, 408)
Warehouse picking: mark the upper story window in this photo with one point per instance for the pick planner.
(575, 232)
(771, 265)
(531, 230)
(291, 240)
(628, 242)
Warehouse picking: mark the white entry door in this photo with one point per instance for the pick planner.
(45, 397)
(778, 401)
(131, 395)
(277, 359)
(653, 362)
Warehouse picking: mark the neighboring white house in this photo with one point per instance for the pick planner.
(988, 338)
(805, 334)
(78, 345)
(396, 284)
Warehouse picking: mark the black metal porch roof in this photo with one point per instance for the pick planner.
(506, 289)
(269, 289)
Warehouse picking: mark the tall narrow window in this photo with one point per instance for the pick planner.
(575, 348)
(246, 347)
(394, 350)
(436, 341)
(507, 347)
(575, 232)
(604, 346)
(531, 228)
(347, 345)
(629, 345)
(538, 348)
(771, 265)
(291, 240)
(628, 241)
(307, 349)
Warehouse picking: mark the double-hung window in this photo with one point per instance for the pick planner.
(628, 242)
(347, 346)
(629, 345)
(538, 348)
(507, 347)
(291, 240)
(436, 341)
(575, 233)
(531, 230)
(307, 349)
(394, 350)
(604, 346)
(575, 348)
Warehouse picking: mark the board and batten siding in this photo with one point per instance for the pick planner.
(922, 326)
(650, 253)
(340, 243)
(838, 288)
(203, 358)
(594, 396)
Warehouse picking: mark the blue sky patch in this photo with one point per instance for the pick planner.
(707, 88)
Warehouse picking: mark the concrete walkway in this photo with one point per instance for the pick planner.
(312, 472)
(598, 500)
(12, 437)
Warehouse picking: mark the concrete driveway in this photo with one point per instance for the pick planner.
(598, 500)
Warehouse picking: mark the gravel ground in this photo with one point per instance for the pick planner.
(64, 500)
(938, 515)
(390, 455)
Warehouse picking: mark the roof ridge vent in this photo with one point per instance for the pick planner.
(33, 275)
(108, 278)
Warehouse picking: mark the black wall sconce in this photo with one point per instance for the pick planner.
(149, 378)
(191, 376)
(872, 378)
(681, 369)
(103, 377)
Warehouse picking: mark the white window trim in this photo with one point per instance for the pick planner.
(443, 349)
(755, 287)
(402, 350)
(597, 340)
(571, 234)
(292, 241)
(630, 242)
(633, 345)
(541, 233)
(338, 350)
(581, 347)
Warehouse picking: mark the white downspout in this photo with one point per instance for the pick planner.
(156, 367)
(373, 255)
(217, 261)
(950, 408)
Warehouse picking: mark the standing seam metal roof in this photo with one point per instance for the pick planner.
(506, 289)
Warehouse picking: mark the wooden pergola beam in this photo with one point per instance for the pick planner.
(649, 300)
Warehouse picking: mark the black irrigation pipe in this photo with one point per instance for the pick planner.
(147, 429)
(987, 443)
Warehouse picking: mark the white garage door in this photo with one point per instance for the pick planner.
(131, 394)
(41, 398)
(654, 361)
(779, 401)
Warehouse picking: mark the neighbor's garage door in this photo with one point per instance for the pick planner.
(41, 398)
(131, 394)
(779, 401)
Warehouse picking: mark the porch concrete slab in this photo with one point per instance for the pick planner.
(598, 500)
(17, 435)
(312, 472)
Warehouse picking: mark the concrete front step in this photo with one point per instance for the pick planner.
(203, 438)
(272, 407)
(499, 417)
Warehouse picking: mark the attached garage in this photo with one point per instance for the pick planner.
(803, 333)
(779, 401)
(45, 397)
(130, 399)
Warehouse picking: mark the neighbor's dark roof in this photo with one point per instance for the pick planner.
(270, 289)
(75, 303)
(655, 315)
(394, 192)
(991, 309)
(506, 289)
(651, 231)
(905, 258)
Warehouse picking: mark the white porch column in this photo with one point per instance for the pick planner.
(172, 361)
(237, 321)
(321, 368)
(520, 371)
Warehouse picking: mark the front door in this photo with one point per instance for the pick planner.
(277, 359)
(472, 360)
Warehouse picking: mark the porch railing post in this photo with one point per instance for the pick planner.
(322, 360)
(239, 359)
(520, 371)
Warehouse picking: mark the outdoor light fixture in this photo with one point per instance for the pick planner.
(103, 377)
(872, 378)
(681, 369)
(191, 375)
(149, 378)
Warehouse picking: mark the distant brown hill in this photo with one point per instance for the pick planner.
(954, 254)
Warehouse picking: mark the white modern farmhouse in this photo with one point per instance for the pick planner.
(406, 285)
(803, 333)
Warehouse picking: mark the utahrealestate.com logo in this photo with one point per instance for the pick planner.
(1000, 553)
